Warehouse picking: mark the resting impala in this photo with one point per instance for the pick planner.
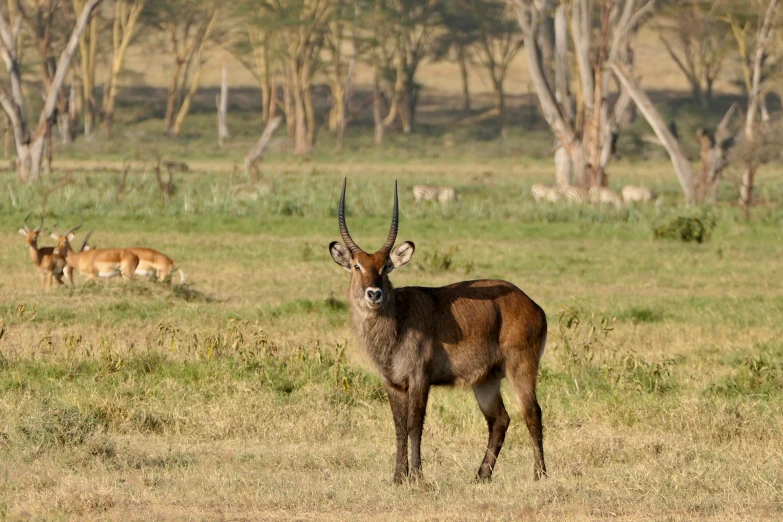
(151, 262)
(472, 333)
(99, 262)
(50, 266)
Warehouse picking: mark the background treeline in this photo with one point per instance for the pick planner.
(69, 59)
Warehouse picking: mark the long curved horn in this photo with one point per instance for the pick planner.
(54, 227)
(353, 247)
(40, 223)
(386, 248)
(27, 228)
(72, 229)
(84, 243)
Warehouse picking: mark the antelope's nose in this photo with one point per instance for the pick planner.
(374, 295)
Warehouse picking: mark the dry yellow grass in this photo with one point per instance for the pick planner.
(225, 401)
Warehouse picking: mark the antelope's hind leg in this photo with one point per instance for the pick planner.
(491, 403)
(523, 380)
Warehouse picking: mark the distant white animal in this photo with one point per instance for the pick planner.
(573, 195)
(541, 192)
(633, 194)
(604, 195)
(434, 193)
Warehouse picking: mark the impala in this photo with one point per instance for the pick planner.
(98, 262)
(151, 262)
(50, 266)
(471, 333)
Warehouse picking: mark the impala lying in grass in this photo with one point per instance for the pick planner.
(99, 262)
(151, 263)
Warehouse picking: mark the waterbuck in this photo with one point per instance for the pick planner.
(472, 333)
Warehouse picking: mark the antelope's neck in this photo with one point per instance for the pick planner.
(35, 255)
(377, 331)
(72, 258)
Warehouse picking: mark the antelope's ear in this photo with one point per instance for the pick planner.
(401, 255)
(340, 255)
(71, 236)
(22, 231)
(54, 236)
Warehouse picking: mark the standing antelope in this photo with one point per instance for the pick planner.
(98, 262)
(472, 333)
(50, 266)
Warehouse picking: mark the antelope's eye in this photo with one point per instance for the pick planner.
(357, 267)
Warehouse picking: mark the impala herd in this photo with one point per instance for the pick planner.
(58, 262)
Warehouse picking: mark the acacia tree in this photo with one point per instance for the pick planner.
(412, 23)
(693, 38)
(459, 31)
(256, 45)
(30, 145)
(187, 26)
(341, 29)
(47, 27)
(125, 28)
(303, 40)
(88, 54)
(497, 42)
(585, 127)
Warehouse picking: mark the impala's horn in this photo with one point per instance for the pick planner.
(54, 227)
(84, 243)
(353, 247)
(27, 228)
(386, 248)
(73, 229)
(40, 223)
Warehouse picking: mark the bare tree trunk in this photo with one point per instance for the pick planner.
(73, 112)
(300, 116)
(754, 100)
(499, 99)
(377, 107)
(88, 51)
(171, 98)
(463, 74)
(184, 107)
(563, 167)
(288, 104)
(310, 120)
(256, 153)
(680, 161)
(222, 107)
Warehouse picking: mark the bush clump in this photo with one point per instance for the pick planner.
(688, 228)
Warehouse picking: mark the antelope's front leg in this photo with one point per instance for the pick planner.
(398, 400)
(418, 392)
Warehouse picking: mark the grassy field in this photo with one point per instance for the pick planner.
(242, 395)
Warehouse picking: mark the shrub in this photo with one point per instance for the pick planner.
(688, 228)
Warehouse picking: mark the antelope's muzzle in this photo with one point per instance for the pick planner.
(374, 296)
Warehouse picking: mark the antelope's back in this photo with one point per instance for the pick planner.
(478, 325)
(151, 256)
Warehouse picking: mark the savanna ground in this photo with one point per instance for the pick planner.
(242, 395)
